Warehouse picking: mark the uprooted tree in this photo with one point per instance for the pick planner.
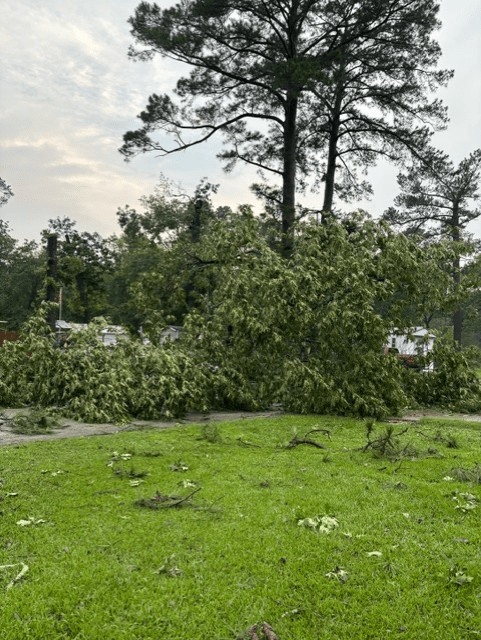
(299, 89)
(307, 332)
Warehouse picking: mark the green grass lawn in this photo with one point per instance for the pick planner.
(224, 549)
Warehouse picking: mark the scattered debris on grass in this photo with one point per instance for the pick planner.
(33, 422)
(459, 577)
(117, 457)
(188, 484)
(164, 501)
(30, 521)
(169, 568)
(210, 432)
(19, 576)
(388, 444)
(252, 633)
(179, 466)
(467, 475)
(338, 574)
(52, 473)
(151, 454)
(448, 440)
(296, 441)
(130, 474)
(467, 503)
(246, 443)
(319, 524)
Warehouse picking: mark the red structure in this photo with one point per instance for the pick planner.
(9, 336)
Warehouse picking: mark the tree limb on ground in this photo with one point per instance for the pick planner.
(305, 440)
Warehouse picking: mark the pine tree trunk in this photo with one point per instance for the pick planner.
(458, 314)
(330, 176)
(289, 176)
(51, 276)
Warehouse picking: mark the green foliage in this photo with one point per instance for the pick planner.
(164, 381)
(453, 384)
(22, 268)
(27, 366)
(309, 331)
(84, 262)
(90, 382)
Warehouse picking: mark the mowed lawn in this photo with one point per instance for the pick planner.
(201, 531)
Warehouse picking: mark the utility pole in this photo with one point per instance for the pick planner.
(51, 276)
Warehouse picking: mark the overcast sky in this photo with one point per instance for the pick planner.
(68, 93)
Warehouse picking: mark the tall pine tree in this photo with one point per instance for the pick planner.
(297, 88)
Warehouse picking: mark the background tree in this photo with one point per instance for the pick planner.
(158, 276)
(84, 260)
(22, 269)
(378, 102)
(6, 192)
(436, 199)
(275, 78)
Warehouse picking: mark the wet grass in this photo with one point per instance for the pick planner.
(193, 532)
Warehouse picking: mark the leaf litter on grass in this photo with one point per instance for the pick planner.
(19, 576)
(181, 494)
(319, 524)
(31, 521)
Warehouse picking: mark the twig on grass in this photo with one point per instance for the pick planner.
(246, 443)
(295, 441)
(129, 474)
(179, 502)
(160, 501)
(324, 431)
(269, 631)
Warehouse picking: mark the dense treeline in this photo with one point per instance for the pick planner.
(152, 274)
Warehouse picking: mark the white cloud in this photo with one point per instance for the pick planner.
(68, 94)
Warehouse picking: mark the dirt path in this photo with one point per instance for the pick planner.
(73, 429)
